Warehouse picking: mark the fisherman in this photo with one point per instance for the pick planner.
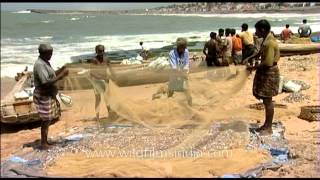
(144, 51)
(212, 47)
(44, 96)
(100, 73)
(236, 47)
(179, 61)
(222, 45)
(247, 41)
(267, 77)
(286, 34)
(304, 29)
(227, 56)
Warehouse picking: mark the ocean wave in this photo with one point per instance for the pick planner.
(74, 19)
(22, 12)
(11, 70)
(46, 37)
(25, 49)
(48, 21)
(313, 23)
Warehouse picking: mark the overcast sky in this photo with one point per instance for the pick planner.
(79, 6)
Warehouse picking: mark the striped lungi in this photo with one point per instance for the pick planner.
(266, 82)
(48, 107)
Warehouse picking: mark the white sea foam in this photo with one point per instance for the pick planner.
(22, 12)
(45, 37)
(313, 23)
(48, 21)
(11, 70)
(74, 19)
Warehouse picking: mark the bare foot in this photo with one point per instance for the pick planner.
(264, 132)
(263, 127)
(45, 146)
(51, 143)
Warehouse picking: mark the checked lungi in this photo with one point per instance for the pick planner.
(266, 82)
(48, 107)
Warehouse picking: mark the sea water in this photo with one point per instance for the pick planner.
(74, 35)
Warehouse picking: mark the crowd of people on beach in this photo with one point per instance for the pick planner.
(223, 49)
(229, 47)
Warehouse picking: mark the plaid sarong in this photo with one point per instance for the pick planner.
(266, 82)
(48, 107)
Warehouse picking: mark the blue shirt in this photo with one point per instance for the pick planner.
(179, 63)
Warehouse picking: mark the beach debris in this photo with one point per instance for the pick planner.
(159, 64)
(296, 97)
(290, 86)
(34, 162)
(29, 91)
(75, 137)
(134, 60)
(310, 113)
(231, 176)
(17, 159)
(281, 84)
(315, 38)
(67, 100)
(119, 126)
(304, 85)
(21, 95)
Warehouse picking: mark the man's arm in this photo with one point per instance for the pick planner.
(44, 76)
(299, 30)
(281, 35)
(291, 33)
(172, 61)
(60, 70)
(310, 31)
(205, 49)
(254, 55)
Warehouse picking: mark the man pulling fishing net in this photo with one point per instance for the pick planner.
(178, 79)
(100, 73)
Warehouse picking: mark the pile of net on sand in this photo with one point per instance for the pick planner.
(168, 124)
(131, 151)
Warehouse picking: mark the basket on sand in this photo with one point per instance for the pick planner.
(310, 113)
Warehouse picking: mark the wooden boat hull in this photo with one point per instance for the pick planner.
(298, 49)
(18, 111)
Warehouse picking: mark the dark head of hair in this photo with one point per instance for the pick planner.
(263, 25)
(213, 34)
(221, 31)
(304, 21)
(287, 25)
(227, 31)
(141, 43)
(233, 32)
(99, 48)
(244, 26)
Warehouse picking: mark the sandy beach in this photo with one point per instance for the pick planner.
(301, 134)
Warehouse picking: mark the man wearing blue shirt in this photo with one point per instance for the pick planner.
(179, 61)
